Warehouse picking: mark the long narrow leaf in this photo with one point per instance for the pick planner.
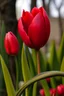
(2, 49)
(39, 77)
(25, 67)
(53, 59)
(61, 50)
(62, 69)
(7, 78)
(42, 62)
(31, 62)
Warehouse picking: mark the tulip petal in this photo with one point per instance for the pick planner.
(23, 34)
(37, 32)
(11, 43)
(47, 22)
(26, 19)
(6, 44)
(35, 11)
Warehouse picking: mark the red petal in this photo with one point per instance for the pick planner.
(37, 32)
(26, 19)
(35, 11)
(47, 22)
(11, 43)
(42, 92)
(6, 44)
(23, 34)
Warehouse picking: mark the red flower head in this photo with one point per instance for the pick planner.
(42, 92)
(34, 27)
(53, 92)
(60, 89)
(11, 44)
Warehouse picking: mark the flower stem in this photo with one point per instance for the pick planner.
(38, 62)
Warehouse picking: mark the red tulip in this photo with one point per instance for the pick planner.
(34, 27)
(52, 92)
(42, 92)
(11, 44)
(48, 80)
(60, 89)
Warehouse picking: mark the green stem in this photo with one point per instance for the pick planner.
(41, 76)
(16, 72)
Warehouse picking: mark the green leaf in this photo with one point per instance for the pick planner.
(34, 93)
(31, 62)
(42, 62)
(52, 82)
(7, 78)
(62, 69)
(34, 56)
(19, 58)
(2, 49)
(45, 87)
(25, 67)
(61, 50)
(53, 59)
(41, 76)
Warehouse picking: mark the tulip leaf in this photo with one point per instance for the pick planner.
(34, 56)
(2, 50)
(40, 76)
(31, 62)
(19, 58)
(52, 82)
(34, 93)
(45, 87)
(42, 62)
(61, 50)
(53, 59)
(62, 69)
(25, 67)
(7, 78)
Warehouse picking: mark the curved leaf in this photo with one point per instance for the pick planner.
(39, 77)
(61, 50)
(7, 78)
(62, 69)
(53, 59)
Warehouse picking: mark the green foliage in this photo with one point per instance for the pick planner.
(39, 77)
(62, 69)
(7, 78)
(43, 62)
(61, 50)
(27, 70)
(2, 49)
(53, 59)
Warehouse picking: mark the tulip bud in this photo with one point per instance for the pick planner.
(42, 92)
(34, 27)
(48, 80)
(52, 92)
(11, 44)
(60, 89)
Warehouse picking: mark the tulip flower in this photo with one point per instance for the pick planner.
(11, 44)
(34, 27)
(42, 92)
(48, 80)
(60, 89)
(53, 92)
